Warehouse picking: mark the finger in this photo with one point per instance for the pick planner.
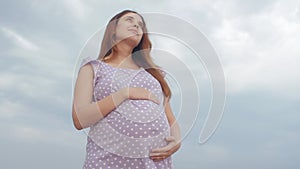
(159, 158)
(154, 155)
(153, 98)
(168, 147)
(163, 149)
(170, 138)
(168, 152)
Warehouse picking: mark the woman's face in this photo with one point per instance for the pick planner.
(130, 27)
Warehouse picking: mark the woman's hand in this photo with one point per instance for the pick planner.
(137, 93)
(164, 152)
(174, 143)
(174, 140)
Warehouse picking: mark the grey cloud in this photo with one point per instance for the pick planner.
(257, 130)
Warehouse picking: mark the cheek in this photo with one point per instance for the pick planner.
(121, 30)
(140, 31)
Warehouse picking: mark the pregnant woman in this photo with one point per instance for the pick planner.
(124, 99)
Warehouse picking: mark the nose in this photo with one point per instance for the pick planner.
(136, 25)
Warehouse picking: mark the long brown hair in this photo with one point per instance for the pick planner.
(140, 54)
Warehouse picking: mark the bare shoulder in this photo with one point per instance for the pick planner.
(86, 70)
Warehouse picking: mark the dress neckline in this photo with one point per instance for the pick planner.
(141, 68)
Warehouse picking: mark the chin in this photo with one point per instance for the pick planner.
(133, 40)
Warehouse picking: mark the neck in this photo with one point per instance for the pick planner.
(123, 52)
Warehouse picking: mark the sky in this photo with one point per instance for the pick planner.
(256, 42)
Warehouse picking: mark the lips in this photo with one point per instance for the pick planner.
(134, 31)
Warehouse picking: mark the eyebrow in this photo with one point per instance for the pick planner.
(140, 22)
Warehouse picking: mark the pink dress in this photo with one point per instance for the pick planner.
(124, 138)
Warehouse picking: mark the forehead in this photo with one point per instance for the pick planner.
(133, 15)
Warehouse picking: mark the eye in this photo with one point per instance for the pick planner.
(129, 19)
(141, 24)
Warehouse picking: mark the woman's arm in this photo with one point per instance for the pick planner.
(175, 129)
(85, 112)
(174, 139)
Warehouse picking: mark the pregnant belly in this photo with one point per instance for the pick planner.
(131, 128)
(141, 111)
(132, 136)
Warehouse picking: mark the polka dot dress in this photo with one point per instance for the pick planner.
(123, 139)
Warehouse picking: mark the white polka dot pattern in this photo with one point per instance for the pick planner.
(124, 138)
(112, 141)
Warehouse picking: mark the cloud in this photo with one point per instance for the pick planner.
(259, 51)
(19, 40)
(211, 155)
(10, 109)
(32, 134)
(77, 8)
(256, 41)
